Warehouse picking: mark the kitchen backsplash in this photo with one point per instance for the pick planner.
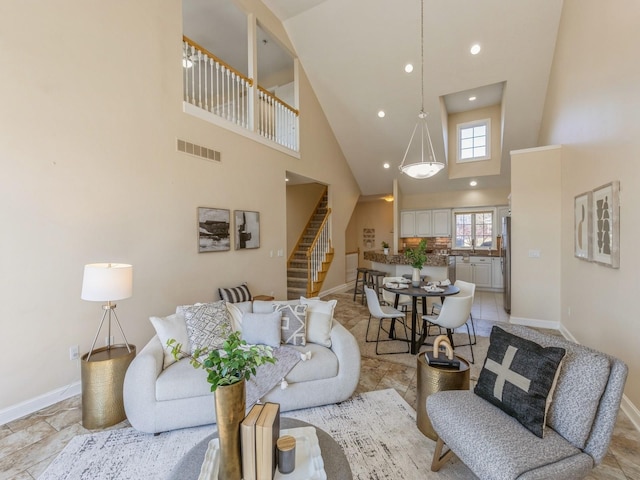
(443, 245)
(435, 244)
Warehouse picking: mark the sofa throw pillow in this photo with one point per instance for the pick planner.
(319, 320)
(237, 294)
(236, 311)
(518, 376)
(208, 324)
(171, 327)
(293, 325)
(261, 328)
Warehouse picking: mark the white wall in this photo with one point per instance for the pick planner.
(592, 109)
(461, 198)
(535, 229)
(91, 108)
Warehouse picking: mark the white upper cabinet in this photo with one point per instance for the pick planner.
(408, 223)
(425, 223)
(441, 222)
(424, 227)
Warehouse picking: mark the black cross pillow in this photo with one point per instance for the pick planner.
(517, 377)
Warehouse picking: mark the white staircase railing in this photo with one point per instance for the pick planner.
(317, 254)
(212, 85)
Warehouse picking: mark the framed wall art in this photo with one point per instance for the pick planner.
(247, 227)
(582, 230)
(213, 230)
(605, 212)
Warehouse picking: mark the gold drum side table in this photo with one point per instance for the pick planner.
(436, 379)
(102, 381)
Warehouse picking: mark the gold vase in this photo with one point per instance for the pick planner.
(230, 411)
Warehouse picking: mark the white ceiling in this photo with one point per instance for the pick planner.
(354, 54)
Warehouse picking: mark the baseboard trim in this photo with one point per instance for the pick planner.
(38, 403)
(631, 411)
(534, 322)
(338, 289)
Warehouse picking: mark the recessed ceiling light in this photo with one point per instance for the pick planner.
(408, 68)
(386, 165)
(475, 49)
(286, 179)
(472, 99)
(473, 183)
(381, 114)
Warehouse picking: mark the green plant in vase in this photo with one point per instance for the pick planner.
(417, 258)
(385, 247)
(227, 371)
(235, 361)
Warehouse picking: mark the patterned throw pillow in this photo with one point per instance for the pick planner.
(237, 294)
(208, 324)
(518, 376)
(294, 323)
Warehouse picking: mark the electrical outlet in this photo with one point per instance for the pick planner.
(74, 352)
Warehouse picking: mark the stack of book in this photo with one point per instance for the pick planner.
(259, 432)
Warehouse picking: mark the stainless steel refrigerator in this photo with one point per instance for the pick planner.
(506, 262)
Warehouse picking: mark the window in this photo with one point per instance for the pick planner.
(474, 141)
(474, 229)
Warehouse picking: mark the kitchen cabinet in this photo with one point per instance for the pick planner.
(425, 223)
(496, 273)
(441, 223)
(477, 270)
(408, 223)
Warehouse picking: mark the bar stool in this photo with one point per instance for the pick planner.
(375, 281)
(361, 280)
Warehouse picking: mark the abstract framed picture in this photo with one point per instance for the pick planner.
(605, 212)
(582, 231)
(247, 227)
(213, 229)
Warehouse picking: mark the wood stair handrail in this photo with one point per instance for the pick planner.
(297, 245)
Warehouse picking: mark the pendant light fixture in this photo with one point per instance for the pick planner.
(429, 166)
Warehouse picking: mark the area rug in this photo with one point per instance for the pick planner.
(377, 431)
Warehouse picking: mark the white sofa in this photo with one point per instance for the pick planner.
(179, 396)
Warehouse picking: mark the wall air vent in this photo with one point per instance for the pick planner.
(199, 151)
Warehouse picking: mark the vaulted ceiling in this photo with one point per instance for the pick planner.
(354, 53)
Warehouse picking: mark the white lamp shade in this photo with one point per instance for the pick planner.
(106, 282)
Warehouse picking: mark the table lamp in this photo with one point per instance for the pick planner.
(107, 282)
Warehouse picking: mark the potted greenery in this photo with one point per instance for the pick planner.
(228, 369)
(385, 248)
(417, 258)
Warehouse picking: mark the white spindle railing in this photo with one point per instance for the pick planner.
(317, 253)
(214, 86)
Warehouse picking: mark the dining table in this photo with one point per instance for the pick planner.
(422, 291)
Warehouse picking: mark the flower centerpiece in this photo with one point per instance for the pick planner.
(228, 369)
(417, 258)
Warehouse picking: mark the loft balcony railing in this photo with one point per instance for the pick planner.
(214, 86)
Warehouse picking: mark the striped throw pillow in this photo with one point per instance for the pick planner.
(235, 294)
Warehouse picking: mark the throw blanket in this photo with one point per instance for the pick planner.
(271, 374)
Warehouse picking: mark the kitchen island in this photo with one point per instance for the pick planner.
(437, 266)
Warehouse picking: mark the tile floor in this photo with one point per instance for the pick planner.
(29, 444)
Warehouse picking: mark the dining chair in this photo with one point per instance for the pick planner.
(453, 314)
(382, 312)
(467, 289)
(404, 302)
